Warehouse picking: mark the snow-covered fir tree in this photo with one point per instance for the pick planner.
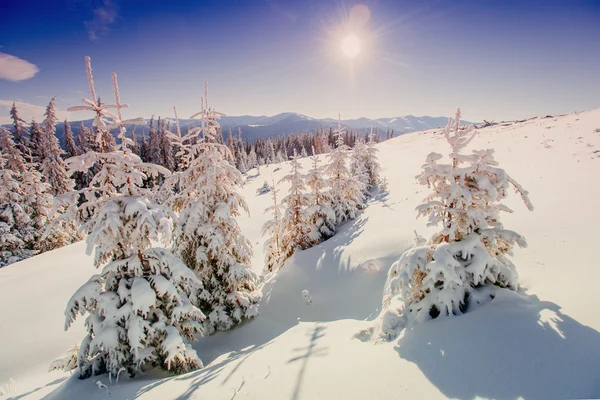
(20, 134)
(372, 167)
(319, 214)
(469, 256)
(16, 230)
(51, 163)
(272, 229)
(358, 168)
(36, 142)
(294, 223)
(347, 193)
(364, 165)
(207, 237)
(71, 149)
(139, 304)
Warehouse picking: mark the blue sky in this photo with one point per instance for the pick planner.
(495, 59)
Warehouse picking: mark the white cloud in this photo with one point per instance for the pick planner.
(103, 17)
(16, 69)
(27, 111)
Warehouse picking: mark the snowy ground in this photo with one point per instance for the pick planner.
(543, 343)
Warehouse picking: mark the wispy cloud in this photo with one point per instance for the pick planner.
(16, 69)
(27, 111)
(103, 17)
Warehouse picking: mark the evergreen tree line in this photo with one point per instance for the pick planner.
(319, 201)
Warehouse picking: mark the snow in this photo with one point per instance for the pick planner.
(543, 342)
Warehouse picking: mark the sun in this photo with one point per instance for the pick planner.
(350, 46)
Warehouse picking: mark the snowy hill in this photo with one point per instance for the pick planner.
(541, 343)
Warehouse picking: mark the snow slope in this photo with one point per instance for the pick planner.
(542, 343)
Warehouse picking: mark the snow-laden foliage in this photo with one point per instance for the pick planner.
(17, 233)
(272, 230)
(295, 228)
(207, 236)
(347, 193)
(319, 214)
(139, 304)
(71, 149)
(438, 277)
(25, 205)
(67, 362)
(51, 162)
(364, 165)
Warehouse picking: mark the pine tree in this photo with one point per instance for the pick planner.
(347, 195)
(36, 142)
(139, 304)
(71, 149)
(294, 223)
(16, 231)
(358, 169)
(207, 237)
(51, 163)
(274, 257)
(372, 168)
(468, 257)
(19, 130)
(320, 214)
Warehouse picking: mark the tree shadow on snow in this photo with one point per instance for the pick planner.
(326, 271)
(304, 354)
(515, 346)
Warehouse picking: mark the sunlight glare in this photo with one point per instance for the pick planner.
(350, 46)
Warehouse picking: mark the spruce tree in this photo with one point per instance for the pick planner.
(294, 223)
(320, 214)
(207, 237)
(51, 163)
(71, 149)
(139, 304)
(347, 193)
(468, 257)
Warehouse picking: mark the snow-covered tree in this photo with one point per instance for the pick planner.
(87, 140)
(319, 214)
(294, 223)
(470, 254)
(358, 168)
(51, 163)
(71, 149)
(19, 130)
(139, 304)
(372, 167)
(347, 193)
(364, 165)
(16, 231)
(207, 237)
(274, 256)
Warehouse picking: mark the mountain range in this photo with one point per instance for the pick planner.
(253, 127)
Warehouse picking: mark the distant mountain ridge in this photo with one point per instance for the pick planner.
(253, 127)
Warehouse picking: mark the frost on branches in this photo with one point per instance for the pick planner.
(139, 305)
(470, 255)
(207, 236)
